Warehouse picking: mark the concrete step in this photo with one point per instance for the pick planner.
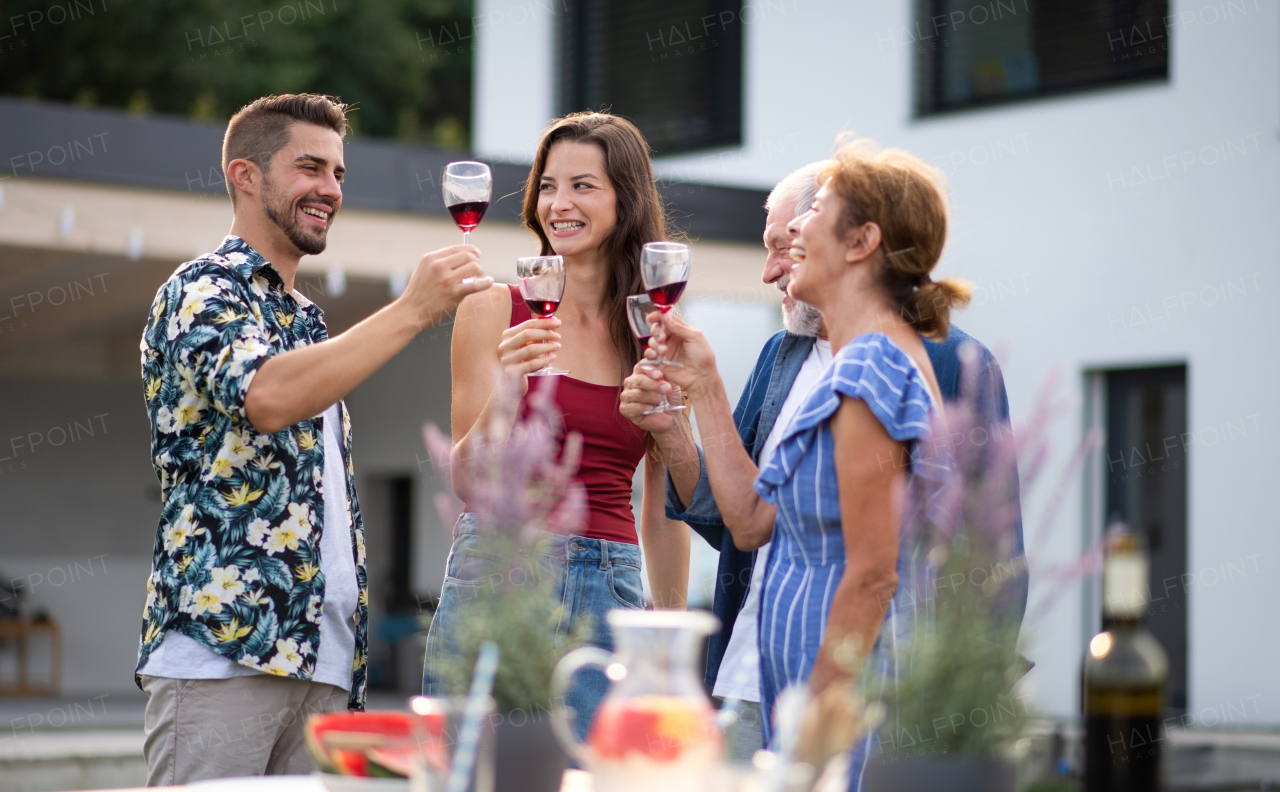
(86, 742)
(66, 759)
(114, 710)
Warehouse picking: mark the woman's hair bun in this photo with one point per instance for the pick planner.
(929, 309)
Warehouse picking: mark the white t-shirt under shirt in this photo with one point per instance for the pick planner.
(739, 676)
(180, 657)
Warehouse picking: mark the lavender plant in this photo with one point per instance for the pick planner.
(521, 488)
(949, 688)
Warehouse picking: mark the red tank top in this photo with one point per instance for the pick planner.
(612, 446)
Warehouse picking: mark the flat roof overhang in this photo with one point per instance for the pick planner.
(81, 262)
(98, 207)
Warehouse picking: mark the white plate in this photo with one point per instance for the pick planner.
(341, 783)
(275, 783)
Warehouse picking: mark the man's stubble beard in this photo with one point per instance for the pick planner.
(285, 217)
(798, 318)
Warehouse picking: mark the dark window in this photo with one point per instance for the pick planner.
(399, 590)
(972, 54)
(674, 67)
(1146, 487)
(395, 654)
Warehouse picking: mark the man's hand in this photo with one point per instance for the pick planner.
(729, 467)
(640, 392)
(686, 346)
(440, 281)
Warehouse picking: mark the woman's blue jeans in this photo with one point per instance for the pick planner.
(590, 577)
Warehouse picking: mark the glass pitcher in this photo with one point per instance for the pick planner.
(656, 728)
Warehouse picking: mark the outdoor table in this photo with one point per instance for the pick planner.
(21, 631)
(574, 781)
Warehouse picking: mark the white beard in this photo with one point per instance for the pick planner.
(799, 318)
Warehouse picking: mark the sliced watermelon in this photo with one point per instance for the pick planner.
(333, 737)
(385, 763)
(351, 763)
(397, 760)
(394, 760)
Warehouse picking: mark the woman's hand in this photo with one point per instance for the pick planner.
(684, 345)
(640, 392)
(831, 723)
(528, 347)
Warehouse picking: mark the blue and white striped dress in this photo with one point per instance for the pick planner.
(807, 559)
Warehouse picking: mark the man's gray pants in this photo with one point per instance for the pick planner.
(745, 735)
(220, 728)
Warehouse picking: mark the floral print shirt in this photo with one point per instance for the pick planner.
(236, 563)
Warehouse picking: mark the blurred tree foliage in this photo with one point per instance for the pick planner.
(405, 64)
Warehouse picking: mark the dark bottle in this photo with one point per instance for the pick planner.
(1125, 670)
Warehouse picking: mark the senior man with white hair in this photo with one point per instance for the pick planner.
(789, 364)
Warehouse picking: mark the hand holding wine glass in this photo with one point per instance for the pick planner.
(644, 389)
(541, 281)
(526, 347)
(440, 281)
(693, 363)
(664, 268)
(467, 188)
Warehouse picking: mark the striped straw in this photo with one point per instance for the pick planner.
(464, 758)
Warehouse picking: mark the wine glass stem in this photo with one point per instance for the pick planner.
(466, 237)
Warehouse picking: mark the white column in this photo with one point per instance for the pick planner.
(515, 75)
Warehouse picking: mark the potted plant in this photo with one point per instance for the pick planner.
(522, 487)
(946, 712)
(955, 713)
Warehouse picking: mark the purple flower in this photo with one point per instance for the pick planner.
(521, 474)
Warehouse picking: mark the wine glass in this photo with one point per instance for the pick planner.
(467, 189)
(542, 285)
(664, 268)
(639, 306)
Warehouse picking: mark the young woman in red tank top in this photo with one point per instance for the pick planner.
(590, 198)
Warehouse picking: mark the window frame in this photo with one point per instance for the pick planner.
(574, 89)
(925, 106)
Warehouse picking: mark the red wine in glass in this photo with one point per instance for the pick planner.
(666, 296)
(467, 188)
(468, 215)
(664, 268)
(543, 309)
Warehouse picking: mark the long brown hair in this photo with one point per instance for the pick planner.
(641, 214)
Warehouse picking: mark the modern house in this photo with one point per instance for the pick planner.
(1112, 169)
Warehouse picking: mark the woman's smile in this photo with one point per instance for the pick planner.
(562, 229)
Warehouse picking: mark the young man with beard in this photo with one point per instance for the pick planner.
(257, 602)
(787, 367)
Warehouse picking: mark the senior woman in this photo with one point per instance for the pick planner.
(830, 494)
